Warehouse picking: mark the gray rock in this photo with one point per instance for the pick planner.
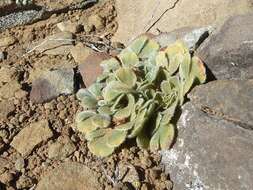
(190, 36)
(52, 84)
(209, 153)
(57, 44)
(229, 52)
(231, 100)
(29, 137)
(12, 14)
(61, 149)
(70, 175)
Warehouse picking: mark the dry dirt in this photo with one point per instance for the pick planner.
(26, 171)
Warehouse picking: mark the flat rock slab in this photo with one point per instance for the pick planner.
(229, 52)
(61, 149)
(231, 100)
(52, 84)
(57, 44)
(209, 153)
(70, 176)
(6, 108)
(136, 17)
(191, 36)
(90, 69)
(9, 89)
(29, 137)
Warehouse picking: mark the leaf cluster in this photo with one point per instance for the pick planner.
(137, 96)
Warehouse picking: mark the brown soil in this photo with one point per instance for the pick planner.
(60, 113)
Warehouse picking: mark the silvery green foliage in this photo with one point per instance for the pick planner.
(137, 96)
(24, 2)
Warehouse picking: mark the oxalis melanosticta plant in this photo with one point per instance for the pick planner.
(137, 95)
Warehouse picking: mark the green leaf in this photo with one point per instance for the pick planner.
(110, 65)
(86, 126)
(125, 112)
(116, 137)
(81, 116)
(126, 76)
(101, 121)
(150, 49)
(128, 58)
(96, 90)
(87, 99)
(162, 59)
(126, 126)
(166, 87)
(99, 147)
(113, 90)
(95, 134)
(163, 137)
(185, 67)
(138, 44)
(104, 110)
(167, 134)
(177, 53)
(198, 70)
(139, 123)
(143, 140)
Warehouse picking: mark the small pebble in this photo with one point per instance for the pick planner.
(20, 164)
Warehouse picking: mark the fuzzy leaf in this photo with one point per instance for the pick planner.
(128, 58)
(81, 116)
(138, 44)
(101, 121)
(162, 59)
(149, 49)
(87, 99)
(166, 87)
(99, 147)
(116, 137)
(110, 64)
(167, 133)
(143, 140)
(139, 123)
(163, 137)
(104, 110)
(96, 134)
(86, 126)
(125, 112)
(185, 66)
(113, 90)
(126, 126)
(126, 76)
(176, 53)
(96, 90)
(198, 69)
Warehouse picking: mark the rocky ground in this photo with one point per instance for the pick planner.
(39, 147)
(53, 49)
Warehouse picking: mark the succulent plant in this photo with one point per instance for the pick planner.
(137, 96)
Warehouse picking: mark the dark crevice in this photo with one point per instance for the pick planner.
(211, 113)
(160, 17)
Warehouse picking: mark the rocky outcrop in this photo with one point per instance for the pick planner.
(214, 149)
(136, 17)
(229, 52)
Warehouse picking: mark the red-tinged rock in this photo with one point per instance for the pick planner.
(91, 68)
